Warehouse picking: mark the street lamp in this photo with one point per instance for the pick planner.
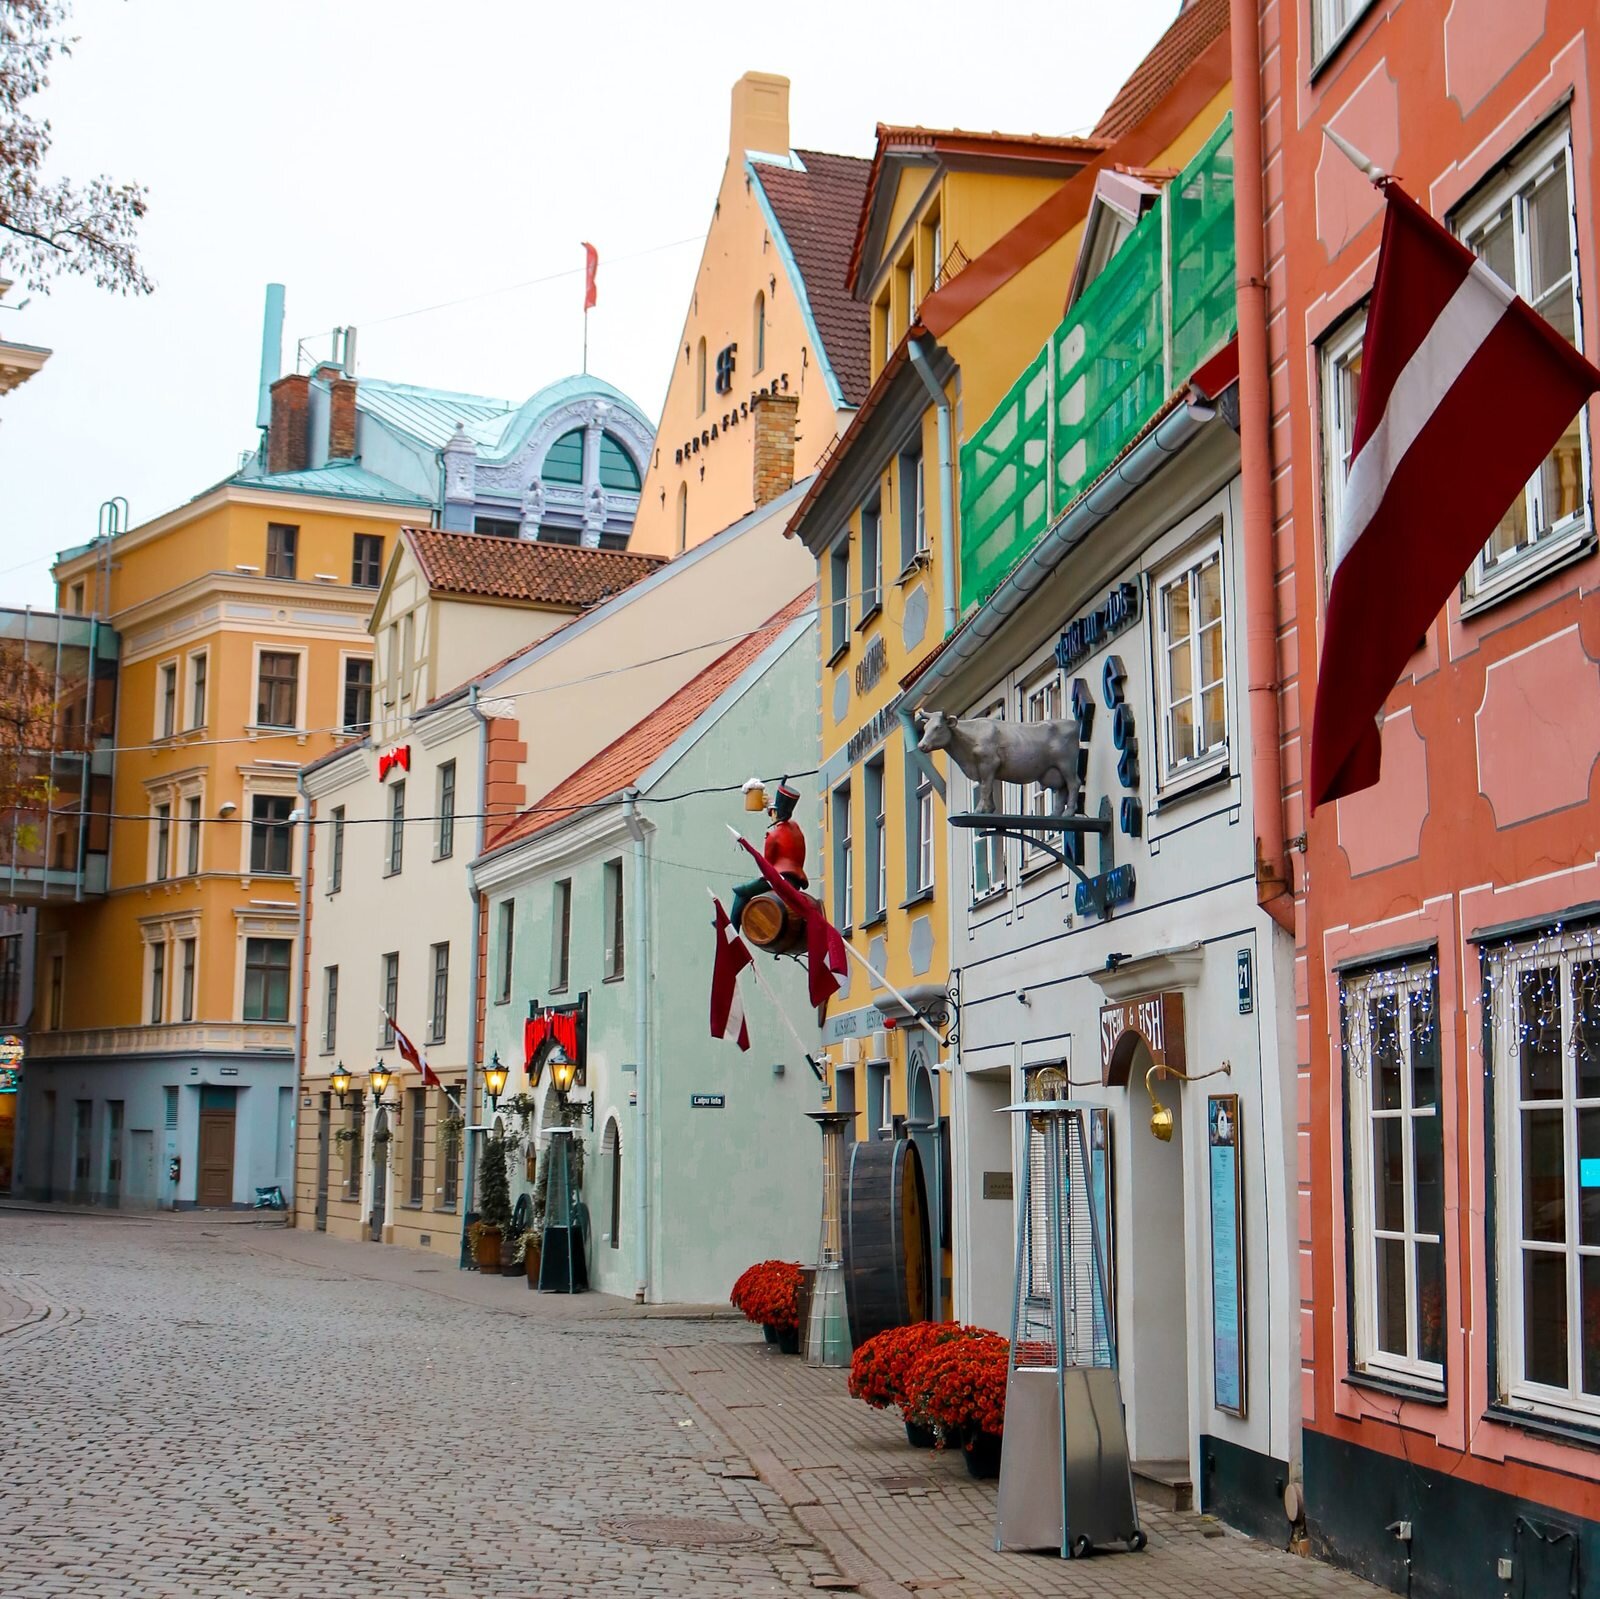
(494, 1081)
(563, 1074)
(339, 1082)
(378, 1080)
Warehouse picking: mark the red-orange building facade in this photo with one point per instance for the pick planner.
(1448, 920)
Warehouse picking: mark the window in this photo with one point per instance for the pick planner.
(158, 983)
(1194, 698)
(563, 461)
(366, 561)
(354, 1151)
(1523, 229)
(447, 1155)
(58, 991)
(880, 1106)
(447, 811)
(871, 560)
(1547, 1200)
(169, 699)
(441, 994)
(700, 378)
(397, 828)
(508, 933)
(391, 996)
(843, 860)
(561, 947)
(683, 517)
(617, 469)
(191, 839)
(1396, 1173)
(417, 1126)
(839, 593)
(1043, 702)
(919, 835)
(75, 603)
(1341, 388)
(336, 866)
(169, 1106)
(11, 979)
(281, 542)
(498, 526)
(266, 979)
(988, 854)
(877, 837)
(270, 833)
(357, 693)
(186, 1010)
(616, 1186)
(163, 842)
(612, 909)
(1330, 20)
(913, 508)
(759, 342)
(199, 666)
(278, 689)
(330, 1009)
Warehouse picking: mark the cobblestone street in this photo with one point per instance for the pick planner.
(211, 1407)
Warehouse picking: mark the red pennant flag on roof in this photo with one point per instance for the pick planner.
(591, 265)
(1464, 391)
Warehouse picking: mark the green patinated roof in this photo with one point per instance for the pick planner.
(342, 480)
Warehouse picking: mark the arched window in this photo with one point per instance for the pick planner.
(611, 1150)
(700, 378)
(563, 462)
(683, 517)
(617, 470)
(760, 340)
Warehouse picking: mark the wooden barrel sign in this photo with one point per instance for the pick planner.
(771, 926)
(887, 1279)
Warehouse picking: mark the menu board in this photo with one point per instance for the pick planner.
(1227, 1253)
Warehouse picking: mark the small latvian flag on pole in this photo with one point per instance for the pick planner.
(414, 1057)
(731, 958)
(1464, 391)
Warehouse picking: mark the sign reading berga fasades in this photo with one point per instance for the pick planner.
(1085, 634)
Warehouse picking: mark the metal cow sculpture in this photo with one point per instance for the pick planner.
(992, 751)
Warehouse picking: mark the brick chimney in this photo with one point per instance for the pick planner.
(341, 418)
(760, 118)
(773, 415)
(289, 433)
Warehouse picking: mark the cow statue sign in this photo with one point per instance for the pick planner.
(991, 751)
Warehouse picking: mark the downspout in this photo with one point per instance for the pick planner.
(640, 959)
(304, 973)
(469, 1097)
(1273, 892)
(947, 482)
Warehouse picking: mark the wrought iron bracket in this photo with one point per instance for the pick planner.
(1024, 828)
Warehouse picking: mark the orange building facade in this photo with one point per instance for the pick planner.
(1448, 920)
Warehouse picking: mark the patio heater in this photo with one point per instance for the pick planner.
(827, 1329)
(563, 1268)
(1066, 1481)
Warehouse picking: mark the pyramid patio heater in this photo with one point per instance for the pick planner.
(1066, 1481)
(826, 1335)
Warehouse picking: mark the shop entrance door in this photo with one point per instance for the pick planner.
(1154, 1324)
(380, 1175)
(214, 1188)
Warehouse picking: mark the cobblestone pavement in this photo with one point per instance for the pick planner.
(207, 1408)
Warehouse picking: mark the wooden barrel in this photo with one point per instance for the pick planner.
(772, 926)
(887, 1277)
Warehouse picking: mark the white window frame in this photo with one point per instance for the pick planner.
(1547, 546)
(839, 596)
(1180, 774)
(330, 1009)
(444, 810)
(346, 727)
(169, 710)
(161, 831)
(505, 950)
(198, 695)
(438, 992)
(1332, 21)
(193, 834)
(614, 911)
(922, 854)
(844, 898)
(1340, 392)
(1042, 699)
(1411, 989)
(385, 1002)
(157, 980)
(188, 975)
(1564, 952)
(266, 937)
(560, 936)
(990, 861)
(875, 776)
(871, 558)
(269, 648)
(394, 841)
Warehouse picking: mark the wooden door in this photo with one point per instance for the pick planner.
(324, 1119)
(215, 1186)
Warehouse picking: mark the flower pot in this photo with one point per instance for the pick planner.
(921, 1437)
(486, 1249)
(788, 1340)
(510, 1266)
(770, 1333)
(982, 1454)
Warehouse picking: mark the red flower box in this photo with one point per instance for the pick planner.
(767, 1294)
(879, 1367)
(960, 1385)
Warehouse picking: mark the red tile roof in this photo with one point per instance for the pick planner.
(627, 758)
(525, 571)
(1196, 25)
(817, 210)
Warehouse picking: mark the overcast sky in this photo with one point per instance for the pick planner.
(381, 156)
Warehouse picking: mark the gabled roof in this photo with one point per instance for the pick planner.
(1043, 153)
(815, 201)
(1195, 26)
(626, 759)
(341, 480)
(525, 571)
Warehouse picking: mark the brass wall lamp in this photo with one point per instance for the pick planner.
(1160, 1116)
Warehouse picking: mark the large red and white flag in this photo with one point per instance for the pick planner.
(414, 1057)
(732, 956)
(1464, 391)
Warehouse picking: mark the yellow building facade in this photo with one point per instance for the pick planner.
(161, 1056)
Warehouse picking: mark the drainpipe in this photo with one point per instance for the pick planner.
(469, 1095)
(640, 959)
(1273, 891)
(947, 482)
(303, 817)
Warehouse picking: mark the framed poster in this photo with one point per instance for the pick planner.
(1227, 1253)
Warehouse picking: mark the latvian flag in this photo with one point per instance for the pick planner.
(414, 1057)
(731, 958)
(1464, 391)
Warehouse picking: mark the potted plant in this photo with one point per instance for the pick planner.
(527, 1254)
(768, 1293)
(494, 1205)
(959, 1384)
(879, 1369)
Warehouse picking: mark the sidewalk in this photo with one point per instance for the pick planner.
(897, 1520)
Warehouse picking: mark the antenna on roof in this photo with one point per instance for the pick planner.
(271, 353)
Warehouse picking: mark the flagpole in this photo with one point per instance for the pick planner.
(586, 341)
(1365, 165)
